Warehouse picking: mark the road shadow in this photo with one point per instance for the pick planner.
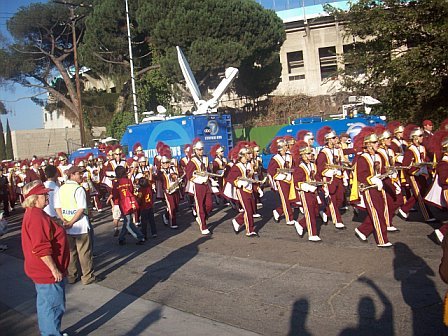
(297, 325)
(419, 291)
(153, 274)
(368, 324)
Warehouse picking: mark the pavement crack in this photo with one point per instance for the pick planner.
(340, 290)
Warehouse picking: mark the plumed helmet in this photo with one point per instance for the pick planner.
(24, 164)
(290, 140)
(301, 134)
(216, 148)
(130, 161)
(159, 145)
(369, 138)
(254, 145)
(117, 149)
(359, 140)
(394, 127)
(325, 133)
(277, 144)
(407, 131)
(141, 157)
(187, 148)
(416, 132)
(444, 125)
(137, 147)
(382, 132)
(62, 156)
(197, 144)
(436, 143)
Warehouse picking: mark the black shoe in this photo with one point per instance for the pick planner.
(121, 242)
(141, 242)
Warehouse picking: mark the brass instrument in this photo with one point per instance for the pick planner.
(206, 173)
(173, 187)
(363, 187)
(285, 170)
(339, 167)
(317, 183)
(247, 179)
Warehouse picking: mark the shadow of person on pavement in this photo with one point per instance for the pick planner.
(299, 314)
(154, 274)
(368, 324)
(419, 291)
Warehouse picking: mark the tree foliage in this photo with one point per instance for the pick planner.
(401, 49)
(9, 150)
(119, 123)
(42, 49)
(2, 143)
(216, 34)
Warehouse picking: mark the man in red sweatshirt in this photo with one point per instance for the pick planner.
(46, 252)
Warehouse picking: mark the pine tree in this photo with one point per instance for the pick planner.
(9, 150)
(2, 143)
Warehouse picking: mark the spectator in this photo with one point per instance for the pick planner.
(52, 183)
(4, 193)
(46, 253)
(71, 207)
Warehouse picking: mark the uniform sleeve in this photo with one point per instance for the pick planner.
(321, 164)
(409, 159)
(272, 167)
(363, 169)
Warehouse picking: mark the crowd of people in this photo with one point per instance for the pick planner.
(385, 171)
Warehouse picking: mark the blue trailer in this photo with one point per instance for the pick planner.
(352, 126)
(178, 131)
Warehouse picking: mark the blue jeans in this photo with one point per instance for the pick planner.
(50, 304)
(129, 226)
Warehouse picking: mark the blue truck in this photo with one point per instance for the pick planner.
(352, 126)
(211, 128)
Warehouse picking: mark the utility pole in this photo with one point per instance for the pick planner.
(134, 94)
(78, 83)
(78, 101)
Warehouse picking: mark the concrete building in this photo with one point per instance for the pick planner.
(312, 52)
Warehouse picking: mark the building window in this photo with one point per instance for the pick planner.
(328, 62)
(296, 67)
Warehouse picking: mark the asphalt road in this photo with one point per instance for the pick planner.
(277, 284)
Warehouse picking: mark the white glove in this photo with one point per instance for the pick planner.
(345, 182)
(379, 184)
(400, 158)
(397, 190)
(329, 173)
(280, 177)
(312, 188)
(326, 192)
(260, 192)
(20, 184)
(241, 184)
(305, 187)
(394, 176)
(338, 172)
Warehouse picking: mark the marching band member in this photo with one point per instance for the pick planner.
(35, 172)
(257, 166)
(438, 194)
(330, 155)
(427, 135)
(308, 137)
(93, 177)
(218, 166)
(240, 176)
(280, 173)
(169, 176)
(196, 173)
(63, 166)
(368, 174)
(304, 178)
(418, 173)
(392, 182)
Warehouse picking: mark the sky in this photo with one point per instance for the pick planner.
(24, 114)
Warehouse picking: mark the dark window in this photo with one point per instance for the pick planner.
(296, 67)
(328, 62)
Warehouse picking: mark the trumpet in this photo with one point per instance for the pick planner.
(363, 187)
(207, 174)
(284, 170)
(317, 183)
(247, 179)
(339, 167)
(173, 187)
